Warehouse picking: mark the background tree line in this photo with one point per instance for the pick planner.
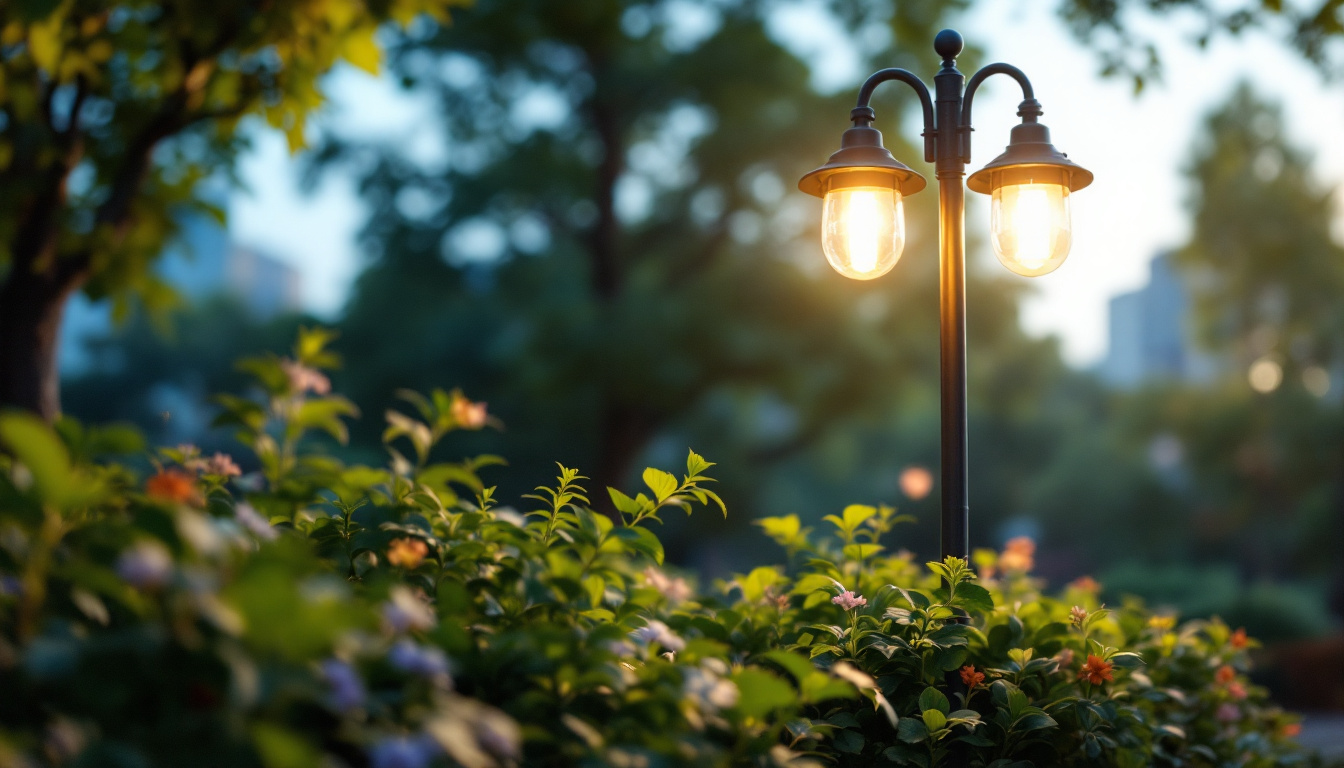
(629, 272)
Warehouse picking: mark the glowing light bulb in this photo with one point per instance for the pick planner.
(863, 231)
(1031, 228)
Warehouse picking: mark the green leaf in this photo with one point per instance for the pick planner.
(325, 414)
(848, 741)
(796, 664)
(641, 540)
(282, 748)
(761, 693)
(38, 448)
(934, 720)
(911, 731)
(861, 551)
(595, 587)
(1127, 660)
(932, 698)
(1034, 722)
(715, 498)
(973, 597)
(661, 483)
(624, 504)
(855, 514)
(696, 464)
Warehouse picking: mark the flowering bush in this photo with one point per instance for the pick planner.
(314, 613)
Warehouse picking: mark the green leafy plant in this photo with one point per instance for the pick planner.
(312, 612)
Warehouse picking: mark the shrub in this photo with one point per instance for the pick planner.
(314, 613)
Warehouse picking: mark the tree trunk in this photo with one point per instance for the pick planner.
(31, 306)
(626, 430)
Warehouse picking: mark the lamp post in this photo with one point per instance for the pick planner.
(863, 226)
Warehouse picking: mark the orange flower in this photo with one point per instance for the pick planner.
(1086, 584)
(971, 677)
(467, 414)
(408, 552)
(1239, 638)
(1236, 690)
(172, 485)
(1096, 670)
(1291, 730)
(1018, 555)
(1225, 675)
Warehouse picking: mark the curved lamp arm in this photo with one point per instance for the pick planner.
(1028, 110)
(864, 112)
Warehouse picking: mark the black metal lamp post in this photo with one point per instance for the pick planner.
(863, 227)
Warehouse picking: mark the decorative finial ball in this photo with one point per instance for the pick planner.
(948, 43)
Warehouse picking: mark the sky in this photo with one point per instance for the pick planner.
(1137, 147)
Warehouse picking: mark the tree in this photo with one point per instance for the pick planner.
(603, 333)
(1267, 277)
(645, 256)
(1315, 28)
(114, 113)
(1266, 272)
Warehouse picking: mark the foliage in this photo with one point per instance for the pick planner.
(1264, 268)
(401, 616)
(113, 115)
(605, 330)
(1116, 29)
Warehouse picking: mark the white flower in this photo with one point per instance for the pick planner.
(658, 632)
(406, 609)
(146, 564)
(707, 689)
(248, 517)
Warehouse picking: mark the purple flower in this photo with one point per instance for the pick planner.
(248, 517)
(347, 689)
(403, 752)
(146, 564)
(11, 586)
(849, 601)
(422, 660)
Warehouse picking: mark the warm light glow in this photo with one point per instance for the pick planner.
(863, 231)
(1031, 229)
(916, 482)
(1265, 375)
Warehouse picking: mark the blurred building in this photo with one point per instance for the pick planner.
(1152, 333)
(201, 264)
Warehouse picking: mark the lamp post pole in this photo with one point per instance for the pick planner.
(951, 171)
(864, 230)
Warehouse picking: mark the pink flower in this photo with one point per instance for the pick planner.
(222, 464)
(849, 601)
(304, 379)
(1228, 713)
(674, 590)
(1077, 615)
